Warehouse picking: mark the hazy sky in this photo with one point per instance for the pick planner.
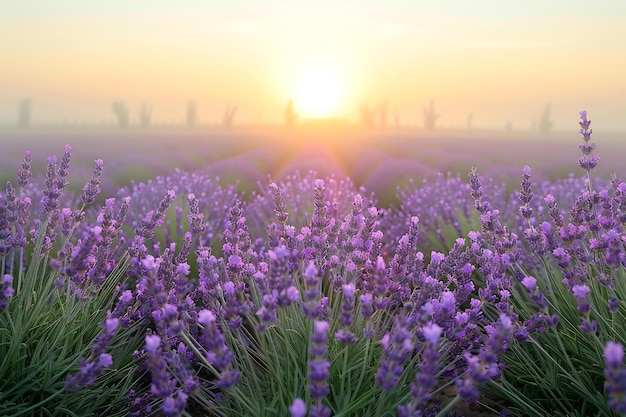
(501, 60)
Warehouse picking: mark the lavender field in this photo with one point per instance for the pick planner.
(312, 271)
(378, 159)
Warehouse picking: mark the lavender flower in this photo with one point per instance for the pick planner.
(581, 292)
(426, 377)
(92, 189)
(24, 173)
(319, 368)
(64, 167)
(89, 371)
(380, 284)
(586, 162)
(162, 386)
(50, 235)
(6, 291)
(217, 354)
(367, 311)
(298, 408)
(320, 222)
(347, 306)
(397, 345)
(196, 217)
(311, 305)
(280, 209)
(267, 312)
(615, 376)
(484, 366)
(173, 407)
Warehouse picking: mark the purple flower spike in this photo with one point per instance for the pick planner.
(584, 123)
(615, 376)
(153, 342)
(580, 291)
(162, 386)
(396, 347)
(24, 173)
(6, 291)
(112, 324)
(173, 407)
(613, 354)
(347, 307)
(432, 332)
(298, 408)
(206, 317)
(280, 210)
(587, 161)
(425, 379)
(105, 360)
(217, 353)
(319, 366)
(530, 283)
(92, 189)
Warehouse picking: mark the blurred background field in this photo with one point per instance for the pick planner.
(379, 160)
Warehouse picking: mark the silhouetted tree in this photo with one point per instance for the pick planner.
(121, 113)
(545, 124)
(145, 115)
(469, 121)
(368, 116)
(191, 113)
(25, 112)
(229, 116)
(291, 117)
(396, 120)
(430, 116)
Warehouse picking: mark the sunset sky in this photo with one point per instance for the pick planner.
(501, 61)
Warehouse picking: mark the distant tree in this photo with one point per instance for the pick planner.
(368, 116)
(396, 120)
(229, 116)
(191, 113)
(145, 115)
(121, 113)
(469, 121)
(509, 126)
(546, 123)
(430, 116)
(25, 112)
(291, 117)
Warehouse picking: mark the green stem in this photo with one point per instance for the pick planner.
(449, 406)
(34, 406)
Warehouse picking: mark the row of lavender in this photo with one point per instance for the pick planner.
(175, 296)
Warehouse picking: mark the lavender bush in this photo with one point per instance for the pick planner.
(54, 303)
(445, 208)
(575, 298)
(177, 298)
(196, 192)
(296, 193)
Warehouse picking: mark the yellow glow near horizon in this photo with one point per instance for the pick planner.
(330, 58)
(319, 91)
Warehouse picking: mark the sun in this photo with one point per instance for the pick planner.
(318, 92)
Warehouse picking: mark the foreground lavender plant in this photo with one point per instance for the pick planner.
(615, 375)
(50, 306)
(317, 309)
(570, 308)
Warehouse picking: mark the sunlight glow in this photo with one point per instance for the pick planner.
(319, 91)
